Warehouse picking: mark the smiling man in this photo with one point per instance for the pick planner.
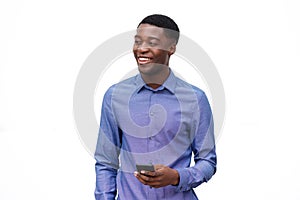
(152, 50)
(155, 122)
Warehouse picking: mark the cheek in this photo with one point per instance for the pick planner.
(161, 55)
(134, 51)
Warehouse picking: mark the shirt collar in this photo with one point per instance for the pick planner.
(169, 84)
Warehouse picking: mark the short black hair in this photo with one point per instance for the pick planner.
(165, 22)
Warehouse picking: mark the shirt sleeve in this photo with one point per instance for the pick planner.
(203, 147)
(107, 152)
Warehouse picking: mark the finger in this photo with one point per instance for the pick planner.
(147, 173)
(150, 181)
(140, 178)
(158, 166)
(152, 174)
(145, 178)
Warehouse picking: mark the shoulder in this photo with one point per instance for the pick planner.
(184, 85)
(129, 82)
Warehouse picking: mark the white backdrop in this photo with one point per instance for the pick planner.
(254, 44)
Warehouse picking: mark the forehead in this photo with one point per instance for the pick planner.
(147, 30)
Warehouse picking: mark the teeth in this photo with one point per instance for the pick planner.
(143, 59)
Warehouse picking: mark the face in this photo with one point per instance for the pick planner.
(152, 49)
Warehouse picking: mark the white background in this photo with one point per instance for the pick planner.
(254, 44)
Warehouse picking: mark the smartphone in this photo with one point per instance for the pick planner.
(145, 167)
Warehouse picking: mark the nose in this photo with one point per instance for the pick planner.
(143, 47)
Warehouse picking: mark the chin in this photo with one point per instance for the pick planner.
(146, 70)
(145, 66)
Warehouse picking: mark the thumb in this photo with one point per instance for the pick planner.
(158, 166)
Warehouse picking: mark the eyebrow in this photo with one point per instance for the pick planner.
(149, 38)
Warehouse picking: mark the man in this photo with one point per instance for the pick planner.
(157, 119)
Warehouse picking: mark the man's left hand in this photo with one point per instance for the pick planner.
(162, 176)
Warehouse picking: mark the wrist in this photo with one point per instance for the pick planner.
(176, 178)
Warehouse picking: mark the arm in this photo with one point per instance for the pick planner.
(203, 147)
(107, 152)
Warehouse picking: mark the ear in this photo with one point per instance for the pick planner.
(172, 49)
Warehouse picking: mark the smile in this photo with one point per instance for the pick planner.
(143, 60)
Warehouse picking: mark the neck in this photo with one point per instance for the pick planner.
(156, 80)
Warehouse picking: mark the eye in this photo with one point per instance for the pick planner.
(137, 42)
(152, 44)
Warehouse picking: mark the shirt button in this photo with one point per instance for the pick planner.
(151, 113)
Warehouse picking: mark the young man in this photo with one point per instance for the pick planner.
(154, 118)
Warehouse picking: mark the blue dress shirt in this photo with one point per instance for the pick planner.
(141, 125)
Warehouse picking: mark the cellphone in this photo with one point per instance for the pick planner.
(145, 167)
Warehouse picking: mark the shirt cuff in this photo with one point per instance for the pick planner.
(183, 180)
